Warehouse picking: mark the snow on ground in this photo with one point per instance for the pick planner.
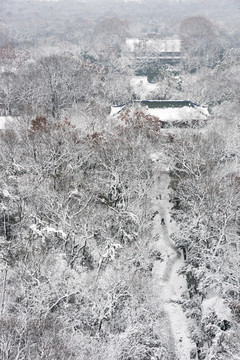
(167, 285)
(4, 121)
(142, 88)
(216, 304)
(115, 110)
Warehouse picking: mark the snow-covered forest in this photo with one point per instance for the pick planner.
(119, 180)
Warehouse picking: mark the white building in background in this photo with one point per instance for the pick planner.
(162, 47)
(152, 52)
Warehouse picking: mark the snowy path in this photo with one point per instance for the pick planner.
(166, 283)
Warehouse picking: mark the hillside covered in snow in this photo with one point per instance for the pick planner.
(119, 180)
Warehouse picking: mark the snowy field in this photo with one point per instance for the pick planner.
(5, 121)
(142, 88)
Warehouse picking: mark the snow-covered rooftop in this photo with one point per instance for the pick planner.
(179, 114)
(168, 110)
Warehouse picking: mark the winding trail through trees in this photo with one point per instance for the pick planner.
(167, 285)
